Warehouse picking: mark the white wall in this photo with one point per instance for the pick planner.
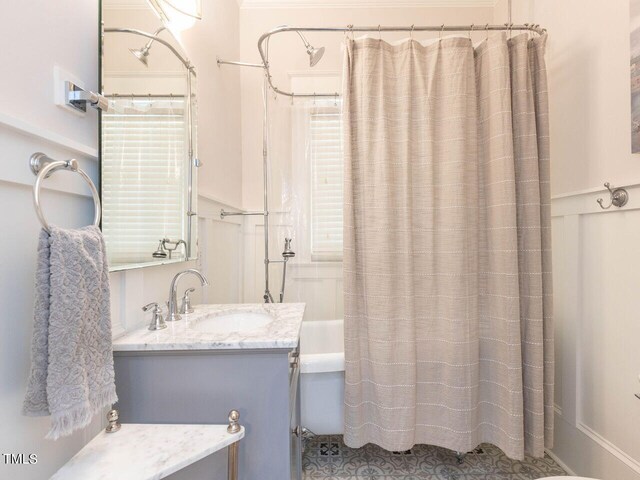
(588, 64)
(219, 145)
(595, 256)
(35, 36)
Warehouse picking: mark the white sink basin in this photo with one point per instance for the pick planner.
(231, 322)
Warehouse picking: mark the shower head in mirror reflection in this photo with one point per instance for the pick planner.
(166, 247)
(160, 251)
(142, 54)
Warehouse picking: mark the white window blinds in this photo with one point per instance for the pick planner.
(326, 158)
(144, 161)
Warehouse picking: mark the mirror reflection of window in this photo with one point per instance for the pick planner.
(144, 164)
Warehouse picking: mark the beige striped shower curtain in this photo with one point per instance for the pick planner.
(447, 261)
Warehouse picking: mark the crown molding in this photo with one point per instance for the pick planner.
(250, 4)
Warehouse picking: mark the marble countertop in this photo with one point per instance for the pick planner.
(145, 452)
(188, 334)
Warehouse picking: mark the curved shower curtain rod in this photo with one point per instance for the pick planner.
(530, 27)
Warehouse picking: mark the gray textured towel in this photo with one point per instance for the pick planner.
(71, 353)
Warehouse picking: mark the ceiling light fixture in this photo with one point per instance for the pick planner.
(177, 15)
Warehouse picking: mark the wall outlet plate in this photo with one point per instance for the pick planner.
(60, 77)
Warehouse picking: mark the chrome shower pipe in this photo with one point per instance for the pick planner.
(193, 162)
(284, 278)
(268, 298)
(224, 213)
(239, 64)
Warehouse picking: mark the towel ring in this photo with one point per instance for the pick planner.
(43, 167)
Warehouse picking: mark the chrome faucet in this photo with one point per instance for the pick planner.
(173, 296)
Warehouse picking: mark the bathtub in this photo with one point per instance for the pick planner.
(322, 376)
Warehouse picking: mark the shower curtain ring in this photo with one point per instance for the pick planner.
(335, 99)
(471, 30)
(350, 27)
(314, 98)
(441, 30)
(487, 29)
(379, 33)
(411, 32)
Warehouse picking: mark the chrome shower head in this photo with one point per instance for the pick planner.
(288, 253)
(315, 54)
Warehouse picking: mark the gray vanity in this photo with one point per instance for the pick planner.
(217, 358)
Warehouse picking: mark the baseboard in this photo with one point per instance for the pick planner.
(560, 462)
(625, 458)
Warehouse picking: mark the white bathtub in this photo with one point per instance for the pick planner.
(322, 376)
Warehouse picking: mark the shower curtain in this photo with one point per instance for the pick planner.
(447, 262)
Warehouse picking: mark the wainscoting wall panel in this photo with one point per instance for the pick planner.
(318, 284)
(220, 252)
(597, 304)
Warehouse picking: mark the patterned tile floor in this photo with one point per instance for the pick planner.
(328, 458)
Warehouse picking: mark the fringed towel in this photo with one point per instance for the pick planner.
(72, 373)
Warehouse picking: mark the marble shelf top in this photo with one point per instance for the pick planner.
(282, 332)
(145, 452)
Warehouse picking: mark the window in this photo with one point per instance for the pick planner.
(326, 161)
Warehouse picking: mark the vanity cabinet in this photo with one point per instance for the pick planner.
(201, 386)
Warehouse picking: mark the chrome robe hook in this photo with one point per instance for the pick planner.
(619, 197)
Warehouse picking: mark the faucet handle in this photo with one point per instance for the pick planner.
(186, 301)
(151, 305)
(157, 321)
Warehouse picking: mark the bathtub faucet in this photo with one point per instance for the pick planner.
(286, 255)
